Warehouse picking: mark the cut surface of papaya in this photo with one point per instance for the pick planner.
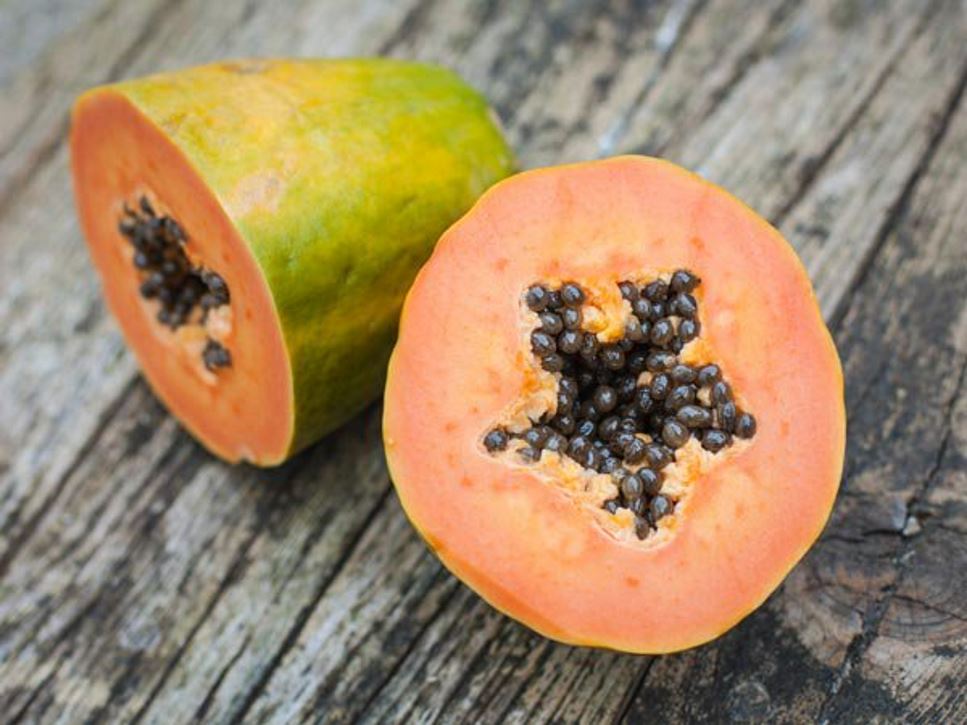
(256, 225)
(614, 409)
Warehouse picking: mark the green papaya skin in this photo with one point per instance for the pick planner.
(340, 175)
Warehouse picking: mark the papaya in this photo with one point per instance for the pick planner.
(614, 409)
(257, 223)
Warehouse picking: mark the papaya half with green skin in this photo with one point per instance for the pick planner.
(256, 225)
(614, 409)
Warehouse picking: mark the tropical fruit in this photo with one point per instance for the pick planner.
(257, 223)
(614, 409)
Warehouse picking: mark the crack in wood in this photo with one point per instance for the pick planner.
(18, 716)
(946, 613)
(305, 612)
(71, 548)
(89, 444)
(944, 526)
(547, 651)
(533, 711)
(876, 611)
(233, 574)
(45, 82)
(209, 698)
(231, 577)
(414, 19)
(81, 617)
(678, 21)
(440, 579)
(404, 656)
(47, 150)
(742, 67)
(464, 678)
(813, 167)
(624, 712)
(898, 208)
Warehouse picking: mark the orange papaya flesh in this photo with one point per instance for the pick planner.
(280, 210)
(563, 542)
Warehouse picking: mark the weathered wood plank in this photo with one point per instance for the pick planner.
(303, 593)
(148, 561)
(911, 654)
(388, 591)
(33, 118)
(31, 27)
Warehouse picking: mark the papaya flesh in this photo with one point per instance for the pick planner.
(614, 409)
(256, 225)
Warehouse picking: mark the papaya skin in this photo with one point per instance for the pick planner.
(339, 176)
(517, 539)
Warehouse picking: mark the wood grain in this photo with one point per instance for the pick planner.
(140, 580)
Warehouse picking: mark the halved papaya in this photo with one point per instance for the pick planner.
(614, 409)
(257, 223)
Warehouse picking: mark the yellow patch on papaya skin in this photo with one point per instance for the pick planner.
(247, 67)
(260, 192)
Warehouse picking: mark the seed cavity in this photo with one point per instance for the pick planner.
(186, 293)
(625, 407)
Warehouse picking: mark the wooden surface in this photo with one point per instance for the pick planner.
(141, 580)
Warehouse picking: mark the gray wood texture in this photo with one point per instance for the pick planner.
(143, 581)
